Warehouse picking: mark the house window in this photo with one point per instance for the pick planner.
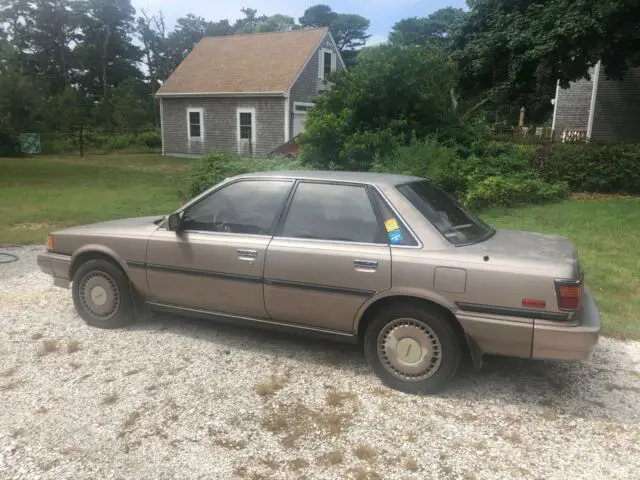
(300, 107)
(194, 123)
(327, 63)
(245, 126)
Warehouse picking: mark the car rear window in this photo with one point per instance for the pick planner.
(457, 225)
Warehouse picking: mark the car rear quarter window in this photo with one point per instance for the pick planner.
(245, 207)
(333, 212)
(405, 238)
(457, 225)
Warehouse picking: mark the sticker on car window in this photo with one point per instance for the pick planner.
(395, 237)
(391, 225)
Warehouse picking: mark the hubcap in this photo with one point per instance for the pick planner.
(99, 295)
(409, 349)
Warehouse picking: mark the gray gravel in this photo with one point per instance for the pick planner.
(176, 398)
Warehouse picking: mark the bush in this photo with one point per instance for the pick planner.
(214, 167)
(506, 191)
(492, 174)
(589, 167)
(150, 139)
(428, 159)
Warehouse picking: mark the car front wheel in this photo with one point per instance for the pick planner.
(412, 349)
(101, 294)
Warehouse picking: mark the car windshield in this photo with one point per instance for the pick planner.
(441, 209)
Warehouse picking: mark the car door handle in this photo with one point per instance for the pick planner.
(247, 254)
(366, 264)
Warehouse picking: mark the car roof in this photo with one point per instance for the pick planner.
(379, 179)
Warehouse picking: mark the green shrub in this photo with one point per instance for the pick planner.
(492, 174)
(151, 139)
(590, 167)
(214, 167)
(428, 159)
(506, 191)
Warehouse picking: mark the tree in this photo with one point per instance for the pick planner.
(318, 16)
(391, 95)
(438, 29)
(54, 28)
(21, 103)
(107, 55)
(510, 49)
(190, 30)
(277, 23)
(348, 30)
(250, 22)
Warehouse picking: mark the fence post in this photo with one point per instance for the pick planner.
(81, 140)
(521, 122)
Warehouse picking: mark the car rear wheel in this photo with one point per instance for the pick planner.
(101, 294)
(412, 349)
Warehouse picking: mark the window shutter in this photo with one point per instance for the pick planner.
(320, 63)
(334, 58)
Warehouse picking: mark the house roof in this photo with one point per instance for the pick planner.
(260, 63)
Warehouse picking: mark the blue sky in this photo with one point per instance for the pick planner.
(382, 13)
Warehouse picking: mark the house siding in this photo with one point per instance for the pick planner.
(308, 84)
(220, 124)
(617, 110)
(573, 105)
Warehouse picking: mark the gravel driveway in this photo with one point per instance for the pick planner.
(176, 398)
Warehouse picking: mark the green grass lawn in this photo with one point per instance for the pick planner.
(607, 236)
(41, 194)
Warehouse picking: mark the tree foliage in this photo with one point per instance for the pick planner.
(93, 62)
(511, 48)
(391, 95)
(348, 30)
(438, 29)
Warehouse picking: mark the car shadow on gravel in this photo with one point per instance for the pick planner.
(591, 389)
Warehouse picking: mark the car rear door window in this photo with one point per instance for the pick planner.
(246, 207)
(333, 212)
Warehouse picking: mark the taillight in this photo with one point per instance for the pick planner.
(570, 294)
(50, 243)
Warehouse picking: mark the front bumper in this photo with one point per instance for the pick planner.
(57, 266)
(576, 341)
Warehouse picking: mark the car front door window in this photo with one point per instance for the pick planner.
(247, 207)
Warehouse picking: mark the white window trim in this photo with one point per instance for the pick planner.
(302, 104)
(252, 111)
(201, 112)
(321, 53)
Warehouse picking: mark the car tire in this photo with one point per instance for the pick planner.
(101, 295)
(412, 349)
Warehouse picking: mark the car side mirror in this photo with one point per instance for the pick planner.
(174, 222)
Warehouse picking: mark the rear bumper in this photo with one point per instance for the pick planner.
(57, 266)
(576, 341)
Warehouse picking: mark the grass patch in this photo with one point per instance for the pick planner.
(332, 458)
(271, 386)
(110, 398)
(605, 233)
(73, 346)
(45, 193)
(410, 464)
(365, 452)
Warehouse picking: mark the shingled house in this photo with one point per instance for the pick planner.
(600, 109)
(246, 94)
